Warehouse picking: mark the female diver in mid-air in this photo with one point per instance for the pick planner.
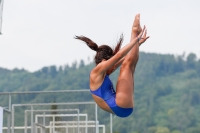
(121, 102)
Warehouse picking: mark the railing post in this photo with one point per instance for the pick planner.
(13, 118)
(32, 119)
(78, 122)
(25, 122)
(96, 118)
(111, 123)
(9, 115)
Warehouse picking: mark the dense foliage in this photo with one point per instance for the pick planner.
(167, 91)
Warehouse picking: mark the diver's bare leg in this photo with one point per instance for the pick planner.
(125, 83)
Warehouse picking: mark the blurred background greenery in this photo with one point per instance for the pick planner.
(167, 91)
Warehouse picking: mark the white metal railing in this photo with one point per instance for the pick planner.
(43, 111)
(11, 107)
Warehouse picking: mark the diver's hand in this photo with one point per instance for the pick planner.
(142, 37)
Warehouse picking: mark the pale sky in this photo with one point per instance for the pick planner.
(38, 33)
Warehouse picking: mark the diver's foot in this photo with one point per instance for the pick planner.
(136, 24)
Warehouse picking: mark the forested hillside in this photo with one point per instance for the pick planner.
(167, 91)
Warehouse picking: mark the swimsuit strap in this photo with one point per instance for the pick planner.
(106, 90)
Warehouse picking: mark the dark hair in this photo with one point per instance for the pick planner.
(103, 51)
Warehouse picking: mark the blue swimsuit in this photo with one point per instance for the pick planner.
(108, 94)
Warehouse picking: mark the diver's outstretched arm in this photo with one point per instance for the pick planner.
(136, 29)
(144, 38)
(118, 64)
(108, 64)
